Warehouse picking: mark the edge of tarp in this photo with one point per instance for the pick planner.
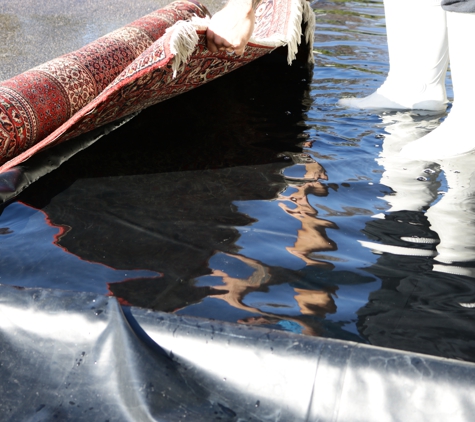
(18, 178)
(86, 349)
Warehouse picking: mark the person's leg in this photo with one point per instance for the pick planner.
(455, 135)
(418, 57)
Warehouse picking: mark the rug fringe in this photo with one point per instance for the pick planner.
(183, 41)
(301, 12)
(309, 19)
(184, 38)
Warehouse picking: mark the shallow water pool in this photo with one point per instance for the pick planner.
(258, 200)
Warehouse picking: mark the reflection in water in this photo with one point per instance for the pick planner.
(175, 222)
(414, 184)
(220, 191)
(43, 262)
(311, 237)
(200, 188)
(311, 303)
(415, 187)
(418, 308)
(453, 217)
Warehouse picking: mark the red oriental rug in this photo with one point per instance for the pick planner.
(148, 61)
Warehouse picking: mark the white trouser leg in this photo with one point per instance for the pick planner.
(418, 57)
(455, 136)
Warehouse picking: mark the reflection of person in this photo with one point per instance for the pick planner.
(423, 291)
(413, 184)
(311, 303)
(414, 192)
(312, 236)
(453, 218)
(417, 311)
(420, 36)
(425, 259)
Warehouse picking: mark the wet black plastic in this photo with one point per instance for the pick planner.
(18, 178)
(82, 357)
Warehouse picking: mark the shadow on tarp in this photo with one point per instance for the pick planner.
(161, 194)
(82, 357)
(189, 157)
(17, 179)
(136, 155)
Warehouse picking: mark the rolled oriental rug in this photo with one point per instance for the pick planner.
(148, 61)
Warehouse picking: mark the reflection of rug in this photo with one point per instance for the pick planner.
(152, 59)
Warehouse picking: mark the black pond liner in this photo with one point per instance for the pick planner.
(83, 356)
(18, 178)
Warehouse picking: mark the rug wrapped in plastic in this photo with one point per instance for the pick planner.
(148, 61)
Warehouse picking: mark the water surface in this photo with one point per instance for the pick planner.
(257, 199)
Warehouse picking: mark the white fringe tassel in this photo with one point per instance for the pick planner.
(184, 37)
(182, 43)
(309, 19)
(301, 12)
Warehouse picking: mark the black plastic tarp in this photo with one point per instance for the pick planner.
(83, 357)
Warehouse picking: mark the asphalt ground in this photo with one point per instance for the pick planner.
(35, 31)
